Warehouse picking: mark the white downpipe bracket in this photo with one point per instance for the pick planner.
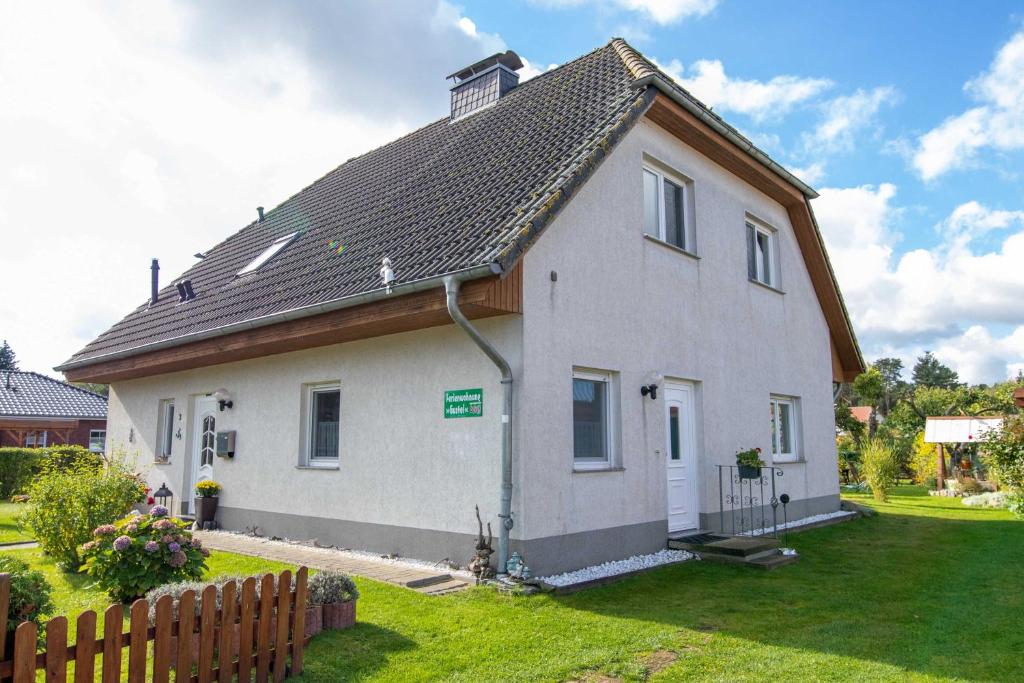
(451, 289)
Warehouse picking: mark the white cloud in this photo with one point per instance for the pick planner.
(136, 131)
(811, 174)
(662, 12)
(925, 298)
(997, 123)
(846, 115)
(708, 82)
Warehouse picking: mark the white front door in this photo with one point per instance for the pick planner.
(204, 444)
(681, 456)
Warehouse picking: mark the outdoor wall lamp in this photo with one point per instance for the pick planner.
(223, 399)
(649, 390)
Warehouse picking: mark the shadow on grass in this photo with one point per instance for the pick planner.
(924, 593)
(354, 653)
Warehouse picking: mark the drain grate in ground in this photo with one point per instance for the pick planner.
(699, 539)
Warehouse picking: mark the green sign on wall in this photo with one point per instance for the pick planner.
(463, 403)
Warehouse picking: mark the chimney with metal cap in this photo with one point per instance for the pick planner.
(484, 83)
(154, 282)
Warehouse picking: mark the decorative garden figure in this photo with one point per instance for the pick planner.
(480, 565)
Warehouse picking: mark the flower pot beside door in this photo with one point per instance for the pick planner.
(206, 504)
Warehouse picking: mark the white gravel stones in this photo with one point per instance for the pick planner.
(616, 567)
(813, 519)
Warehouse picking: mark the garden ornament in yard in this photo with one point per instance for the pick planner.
(480, 565)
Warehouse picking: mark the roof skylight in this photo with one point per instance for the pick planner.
(268, 253)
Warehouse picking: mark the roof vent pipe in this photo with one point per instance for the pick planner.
(259, 210)
(154, 282)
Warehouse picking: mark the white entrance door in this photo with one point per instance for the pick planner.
(681, 456)
(204, 444)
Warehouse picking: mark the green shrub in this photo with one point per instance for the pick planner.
(70, 457)
(30, 594)
(1003, 454)
(140, 552)
(881, 468)
(924, 461)
(65, 505)
(17, 467)
(327, 588)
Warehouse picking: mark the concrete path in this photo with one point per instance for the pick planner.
(422, 580)
(18, 546)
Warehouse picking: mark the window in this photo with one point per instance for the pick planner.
(268, 253)
(165, 430)
(592, 430)
(208, 441)
(97, 440)
(667, 213)
(35, 440)
(323, 430)
(784, 429)
(761, 254)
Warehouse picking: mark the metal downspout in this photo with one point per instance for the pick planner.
(451, 289)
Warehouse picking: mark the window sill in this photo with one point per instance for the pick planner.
(768, 287)
(783, 463)
(596, 470)
(318, 467)
(668, 245)
(162, 462)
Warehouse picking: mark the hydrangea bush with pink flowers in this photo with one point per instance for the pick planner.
(140, 552)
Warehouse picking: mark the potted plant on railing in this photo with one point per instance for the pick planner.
(206, 503)
(749, 463)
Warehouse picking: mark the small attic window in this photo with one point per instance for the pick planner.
(268, 253)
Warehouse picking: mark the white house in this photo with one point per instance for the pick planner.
(555, 251)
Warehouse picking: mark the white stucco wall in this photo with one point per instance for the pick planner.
(401, 462)
(629, 305)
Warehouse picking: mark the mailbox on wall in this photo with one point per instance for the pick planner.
(226, 444)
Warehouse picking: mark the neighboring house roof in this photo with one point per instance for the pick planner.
(29, 394)
(454, 196)
(862, 413)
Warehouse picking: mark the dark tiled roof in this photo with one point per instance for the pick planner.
(29, 394)
(447, 197)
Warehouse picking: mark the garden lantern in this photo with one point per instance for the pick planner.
(164, 496)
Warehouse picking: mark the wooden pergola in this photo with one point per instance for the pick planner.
(958, 429)
(19, 429)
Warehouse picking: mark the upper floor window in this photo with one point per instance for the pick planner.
(761, 250)
(268, 253)
(592, 419)
(785, 447)
(667, 208)
(35, 440)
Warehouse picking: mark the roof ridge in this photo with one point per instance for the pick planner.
(637, 65)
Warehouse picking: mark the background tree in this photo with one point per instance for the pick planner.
(870, 389)
(930, 372)
(8, 361)
(891, 370)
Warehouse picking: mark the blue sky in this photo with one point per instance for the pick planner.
(153, 130)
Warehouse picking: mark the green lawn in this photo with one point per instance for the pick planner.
(927, 590)
(9, 531)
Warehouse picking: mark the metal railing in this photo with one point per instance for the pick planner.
(747, 500)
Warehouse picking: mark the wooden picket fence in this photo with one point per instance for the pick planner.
(243, 638)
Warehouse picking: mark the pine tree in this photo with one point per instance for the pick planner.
(929, 372)
(8, 361)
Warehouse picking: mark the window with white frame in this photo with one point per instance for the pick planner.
(35, 440)
(593, 429)
(785, 422)
(323, 424)
(761, 260)
(165, 430)
(667, 210)
(97, 440)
